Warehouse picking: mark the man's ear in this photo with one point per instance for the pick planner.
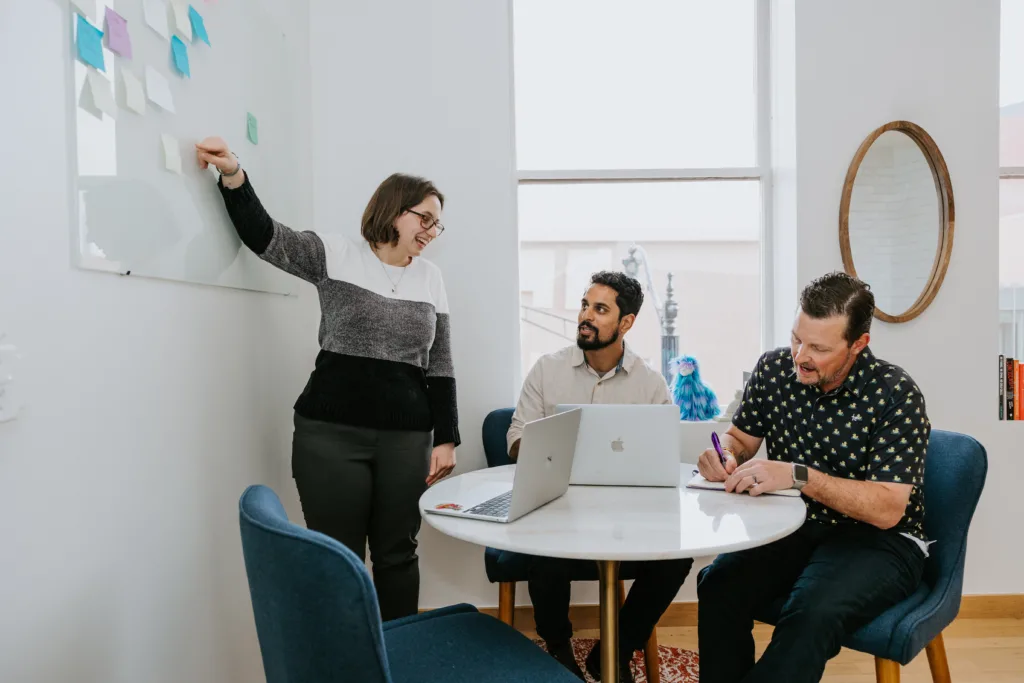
(861, 343)
(626, 323)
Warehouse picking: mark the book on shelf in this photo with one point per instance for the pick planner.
(1002, 387)
(1011, 388)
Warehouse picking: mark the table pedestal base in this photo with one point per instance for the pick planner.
(608, 571)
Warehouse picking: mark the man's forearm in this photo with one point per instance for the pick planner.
(513, 453)
(865, 501)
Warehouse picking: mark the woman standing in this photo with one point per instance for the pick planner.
(377, 422)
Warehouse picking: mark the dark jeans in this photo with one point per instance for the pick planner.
(833, 580)
(655, 586)
(357, 484)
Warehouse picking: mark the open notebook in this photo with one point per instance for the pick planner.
(699, 482)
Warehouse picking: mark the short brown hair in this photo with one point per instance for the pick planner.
(840, 294)
(393, 197)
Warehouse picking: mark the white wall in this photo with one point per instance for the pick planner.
(149, 406)
(936, 63)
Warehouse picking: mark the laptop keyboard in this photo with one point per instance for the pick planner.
(495, 507)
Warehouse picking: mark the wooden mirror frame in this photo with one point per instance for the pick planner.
(944, 190)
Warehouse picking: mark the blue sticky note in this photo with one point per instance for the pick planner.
(180, 53)
(198, 27)
(90, 44)
(252, 129)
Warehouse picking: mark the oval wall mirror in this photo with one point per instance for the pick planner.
(896, 219)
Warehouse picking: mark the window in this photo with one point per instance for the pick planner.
(1011, 183)
(641, 144)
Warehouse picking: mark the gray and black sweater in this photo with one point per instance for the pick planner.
(385, 358)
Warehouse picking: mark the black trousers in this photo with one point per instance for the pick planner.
(655, 586)
(833, 580)
(357, 484)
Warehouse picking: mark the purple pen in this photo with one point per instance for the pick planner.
(718, 447)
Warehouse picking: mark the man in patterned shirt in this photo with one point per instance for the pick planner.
(850, 432)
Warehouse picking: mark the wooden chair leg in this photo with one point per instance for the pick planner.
(937, 660)
(886, 671)
(651, 659)
(507, 602)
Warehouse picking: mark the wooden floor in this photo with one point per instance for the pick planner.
(979, 650)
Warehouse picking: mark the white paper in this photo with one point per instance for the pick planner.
(134, 95)
(699, 482)
(155, 12)
(159, 90)
(181, 21)
(87, 8)
(97, 96)
(172, 153)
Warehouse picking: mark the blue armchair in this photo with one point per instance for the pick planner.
(954, 476)
(317, 617)
(506, 568)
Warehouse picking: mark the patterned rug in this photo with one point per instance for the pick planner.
(677, 665)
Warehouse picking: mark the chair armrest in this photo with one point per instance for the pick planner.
(427, 616)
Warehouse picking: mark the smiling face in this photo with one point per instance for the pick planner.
(821, 355)
(417, 227)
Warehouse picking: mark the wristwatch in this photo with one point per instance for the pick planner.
(799, 476)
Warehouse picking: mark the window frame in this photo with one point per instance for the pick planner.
(761, 171)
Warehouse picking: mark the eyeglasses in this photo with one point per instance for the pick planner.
(428, 222)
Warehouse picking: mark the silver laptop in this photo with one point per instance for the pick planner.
(626, 445)
(541, 476)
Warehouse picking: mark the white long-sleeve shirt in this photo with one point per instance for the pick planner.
(564, 377)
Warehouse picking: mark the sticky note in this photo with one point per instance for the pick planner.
(180, 54)
(155, 13)
(134, 96)
(87, 101)
(172, 153)
(180, 21)
(252, 129)
(118, 39)
(90, 44)
(87, 8)
(102, 95)
(159, 90)
(198, 25)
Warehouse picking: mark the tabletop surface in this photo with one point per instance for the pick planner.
(622, 523)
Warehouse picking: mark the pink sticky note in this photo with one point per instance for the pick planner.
(117, 34)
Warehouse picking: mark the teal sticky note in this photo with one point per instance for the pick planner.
(252, 129)
(180, 54)
(90, 43)
(198, 26)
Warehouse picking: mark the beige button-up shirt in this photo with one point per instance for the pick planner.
(563, 377)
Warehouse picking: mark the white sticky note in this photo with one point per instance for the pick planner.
(155, 12)
(181, 21)
(172, 153)
(159, 90)
(134, 95)
(97, 96)
(87, 8)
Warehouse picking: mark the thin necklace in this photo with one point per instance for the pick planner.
(394, 285)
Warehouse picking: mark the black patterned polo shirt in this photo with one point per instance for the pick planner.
(873, 427)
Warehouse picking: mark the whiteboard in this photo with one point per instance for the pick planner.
(132, 216)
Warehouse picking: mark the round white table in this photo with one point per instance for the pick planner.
(610, 524)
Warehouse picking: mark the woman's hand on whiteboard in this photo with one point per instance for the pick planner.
(442, 462)
(215, 152)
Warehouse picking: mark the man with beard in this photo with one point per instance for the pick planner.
(850, 432)
(600, 368)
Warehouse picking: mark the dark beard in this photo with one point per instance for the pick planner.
(824, 381)
(596, 344)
